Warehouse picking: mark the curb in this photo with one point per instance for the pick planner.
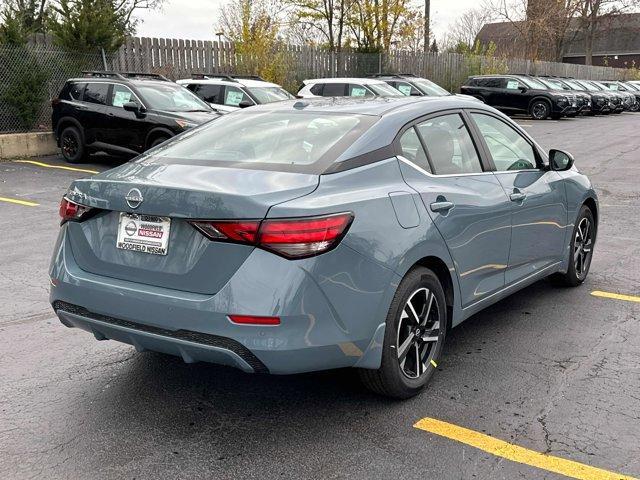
(34, 144)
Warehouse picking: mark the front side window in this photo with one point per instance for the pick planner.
(384, 90)
(533, 83)
(412, 149)
(96, 93)
(207, 92)
(513, 84)
(268, 140)
(449, 145)
(121, 95)
(359, 91)
(509, 150)
(233, 97)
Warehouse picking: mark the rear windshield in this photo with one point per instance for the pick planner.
(306, 142)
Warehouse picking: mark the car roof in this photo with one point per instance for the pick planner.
(393, 113)
(124, 81)
(361, 80)
(245, 82)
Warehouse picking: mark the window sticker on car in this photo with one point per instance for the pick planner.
(512, 84)
(120, 98)
(404, 89)
(234, 98)
(358, 92)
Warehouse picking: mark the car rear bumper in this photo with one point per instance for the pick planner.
(332, 310)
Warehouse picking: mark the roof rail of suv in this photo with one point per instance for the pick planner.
(395, 75)
(223, 76)
(123, 75)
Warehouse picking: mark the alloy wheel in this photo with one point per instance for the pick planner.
(539, 111)
(69, 145)
(583, 248)
(418, 332)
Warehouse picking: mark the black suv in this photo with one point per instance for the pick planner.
(122, 113)
(521, 94)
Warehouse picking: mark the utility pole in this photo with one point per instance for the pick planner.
(427, 15)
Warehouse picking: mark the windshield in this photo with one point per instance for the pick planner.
(552, 84)
(601, 86)
(531, 83)
(269, 94)
(384, 90)
(631, 86)
(574, 85)
(429, 88)
(172, 98)
(286, 141)
(588, 86)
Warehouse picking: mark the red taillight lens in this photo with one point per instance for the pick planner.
(71, 211)
(245, 231)
(303, 237)
(289, 237)
(253, 320)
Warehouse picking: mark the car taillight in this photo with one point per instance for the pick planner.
(72, 211)
(288, 237)
(254, 320)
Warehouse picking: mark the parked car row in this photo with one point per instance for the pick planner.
(126, 113)
(553, 97)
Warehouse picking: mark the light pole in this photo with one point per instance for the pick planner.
(427, 15)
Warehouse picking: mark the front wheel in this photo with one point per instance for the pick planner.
(415, 332)
(581, 250)
(539, 110)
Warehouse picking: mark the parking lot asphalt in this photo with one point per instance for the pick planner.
(549, 369)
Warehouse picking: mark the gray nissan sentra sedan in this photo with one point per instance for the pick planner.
(318, 234)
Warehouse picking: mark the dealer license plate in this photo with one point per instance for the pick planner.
(143, 233)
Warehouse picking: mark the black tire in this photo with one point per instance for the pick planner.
(158, 140)
(404, 379)
(72, 145)
(579, 267)
(540, 110)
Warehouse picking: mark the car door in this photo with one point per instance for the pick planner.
(92, 115)
(538, 200)
(467, 204)
(123, 129)
(492, 91)
(514, 98)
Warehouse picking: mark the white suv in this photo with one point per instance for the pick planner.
(346, 87)
(226, 93)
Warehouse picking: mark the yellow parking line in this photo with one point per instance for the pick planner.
(515, 453)
(61, 167)
(616, 296)
(19, 202)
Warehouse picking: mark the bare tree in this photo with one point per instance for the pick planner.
(466, 28)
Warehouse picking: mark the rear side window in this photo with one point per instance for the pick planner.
(73, 91)
(412, 149)
(301, 142)
(333, 90)
(491, 82)
(96, 93)
(208, 93)
(449, 145)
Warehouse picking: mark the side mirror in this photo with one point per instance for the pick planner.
(522, 89)
(245, 104)
(560, 161)
(135, 108)
(415, 93)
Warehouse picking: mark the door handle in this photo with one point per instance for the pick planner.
(517, 196)
(441, 206)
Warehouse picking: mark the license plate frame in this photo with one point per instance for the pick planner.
(143, 233)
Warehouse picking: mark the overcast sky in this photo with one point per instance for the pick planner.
(196, 19)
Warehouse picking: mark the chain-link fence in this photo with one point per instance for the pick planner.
(31, 76)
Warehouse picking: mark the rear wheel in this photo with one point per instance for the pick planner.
(71, 145)
(539, 110)
(581, 248)
(415, 332)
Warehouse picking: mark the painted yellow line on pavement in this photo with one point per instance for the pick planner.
(616, 296)
(19, 202)
(61, 167)
(515, 453)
